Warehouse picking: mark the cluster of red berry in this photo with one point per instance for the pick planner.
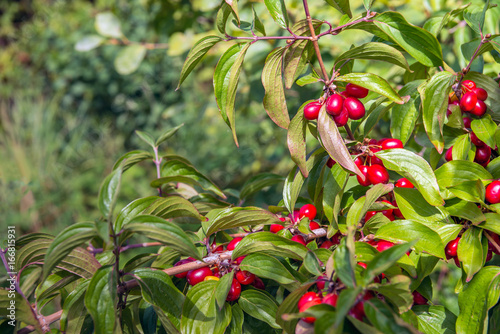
(471, 102)
(341, 106)
(451, 249)
(241, 277)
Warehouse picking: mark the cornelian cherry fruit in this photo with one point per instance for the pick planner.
(342, 118)
(307, 297)
(377, 174)
(356, 91)
(480, 93)
(483, 154)
(493, 192)
(476, 141)
(300, 239)
(391, 143)
(275, 228)
(355, 108)
(418, 299)
(179, 263)
(232, 245)
(479, 109)
(403, 183)
(334, 104)
(244, 277)
(448, 155)
(311, 110)
(468, 101)
(364, 171)
(330, 299)
(451, 248)
(196, 276)
(468, 85)
(383, 245)
(234, 291)
(308, 211)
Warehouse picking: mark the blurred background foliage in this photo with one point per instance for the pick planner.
(66, 116)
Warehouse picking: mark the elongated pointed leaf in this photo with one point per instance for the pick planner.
(173, 207)
(226, 78)
(334, 143)
(132, 210)
(419, 43)
(434, 105)
(88, 43)
(274, 99)
(166, 135)
(471, 251)
(341, 5)
(277, 10)
(101, 300)
(266, 266)
(296, 140)
(406, 231)
(455, 172)
(414, 206)
(195, 55)
(435, 319)
(397, 291)
(375, 51)
(260, 305)
(485, 128)
(271, 244)
(474, 16)
(108, 193)
(74, 312)
(131, 158)
(374, 83)
(343, 263)
(416, 169)
(237, 216)
(163, 231)
(259, 182)
(70, 238)
(129, 58)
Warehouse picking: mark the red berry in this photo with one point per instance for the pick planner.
(489, 255)
(330, 163)
(356, 91)
(234, 291)
(334, 104)
(300, 239)
(451, 248)
(493, 192)
(358, 311)
(196, 276)
(327, 244)
(383, 245)
(308, 211)
(181, 262)
(307, 305)
(245, 277)
(468, 85)
(314, 226)
(330, 299)
(448, 156)
(457, 261)
(239, 259)
(476, 141)
(377, 174)
(468, 101)
(308, 297)
(232, 245)
(391, 143)
(467, 122)
(496, 238)
(321, 281)
(311, 110)
(275, 228)
(364, 171)
(336, 238)
(355, 108)
(370, 214)
(480, 93)
(403, 183)
(483, 154)
(362, 265)
(374, 160)
(397, 212)
(342, 118)
(359, 161)
(418, 299)
(259, 284)
(479, 109)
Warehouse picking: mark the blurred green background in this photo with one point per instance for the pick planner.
(66, 116)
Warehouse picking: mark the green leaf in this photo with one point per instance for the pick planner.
(73, 309)
(157, 289)
(375, 51)
(406, 231)
(131, 158)
(234, 6)
(226, 78)
(166, 135)
(23, 312)
(474, 16)
(384, 260)
(485, 128)
(173, 207)
(492, 222)
(108, 193)
(129, 58)
(233, 217)
(461, 147)
(270, 244)
(69, 238)
(222, 16)
(133, 209)
(374, 83)
(334, 143)
(88, 43)
(341, 5)
(362, 205)
(222, 289)
(299, 53)
(48, 289)
(163, 231)
(414, 168)
(259, 26)
(449, 16)
(494, 166)
(178, 168)
(200, 314)
(146, 137)
(473, 300)
(467, 210)
(383, 318)
(260, 305)
(455, 172)
(470, 251)
(195, 55)
(343, 263)
(296, 139)
(266, 266)
(434, 105)
(289, 305)
(237, 318)
(397, 291)
(311, 264)
(368, 4)
(413, 206)
(435, 319)
(419, 43)
(259, 182)
(308, 79)
(274, 98)
(335, 182)
(101, 299)
(108, 25)
(277, 10)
